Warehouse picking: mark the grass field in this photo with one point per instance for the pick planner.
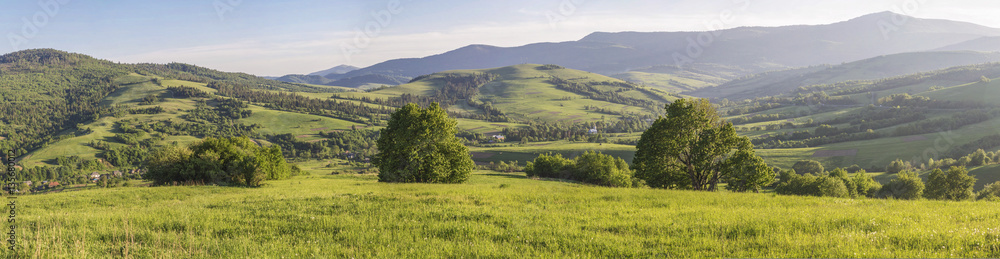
(493, 215)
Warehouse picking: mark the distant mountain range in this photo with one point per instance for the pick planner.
(737, 52)
(335, 70)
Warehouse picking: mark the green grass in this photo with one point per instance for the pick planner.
(280, 122)
(982, 92)
(662, 81)
(493, 215)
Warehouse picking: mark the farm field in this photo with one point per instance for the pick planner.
(493, 215)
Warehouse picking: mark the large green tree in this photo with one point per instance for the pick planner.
(693, 148)
(419, 145)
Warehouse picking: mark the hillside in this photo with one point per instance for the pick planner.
(539, 93)
(984, 44)
(787, 81)
(494, 215)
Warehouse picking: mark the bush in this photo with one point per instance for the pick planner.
(551, 166)
(831, 187)
(864, 184)
(991, 192)
(227, 160)
(591, 167)
(955, 185)
(898, 166)
(596, 168)
(808, 167)
(854, 169)
(907, 186)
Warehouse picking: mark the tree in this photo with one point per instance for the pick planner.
(808, 167)
(991, 192)
(979, 158)
(687, 149)
(955, 185)
(419, 145)
(865, 185)
(746, 170)
(855, 168)
(898, 166)
(907, 186)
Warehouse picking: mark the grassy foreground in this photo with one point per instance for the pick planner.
(493, 215)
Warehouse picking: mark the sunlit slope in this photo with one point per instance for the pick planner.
(526, 92)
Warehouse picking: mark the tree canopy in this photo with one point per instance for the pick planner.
(419, 145)
(693, 148)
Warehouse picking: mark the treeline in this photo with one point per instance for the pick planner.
(455, 89)
(296, 103)
(194, 73)
(955, 121)
(358, 145)
(863, 124)
(906, 100)
(593, 90)
(576, 132)
(185, 92)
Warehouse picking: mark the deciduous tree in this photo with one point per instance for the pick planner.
(419, 145)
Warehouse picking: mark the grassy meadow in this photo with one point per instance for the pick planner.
(493, 215)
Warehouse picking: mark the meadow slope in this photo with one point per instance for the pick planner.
(493, 215)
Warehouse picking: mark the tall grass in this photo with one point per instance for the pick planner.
(494, 215)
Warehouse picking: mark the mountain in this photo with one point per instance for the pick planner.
(334, 70)
(305, 79)
(786, 81)
(985, 44)
(750, 49)
(369, 81)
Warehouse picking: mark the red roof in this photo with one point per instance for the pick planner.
(53, 184)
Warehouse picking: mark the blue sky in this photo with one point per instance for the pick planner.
(302, 36)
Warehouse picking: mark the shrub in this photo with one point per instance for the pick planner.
(864, 184)
(991, 192)
(907, 186)
(590, 167)
(227, 160)
(596, 168)
(808, 167)
(955, 185)
(898, 166)
(854, 169)
(548, 165)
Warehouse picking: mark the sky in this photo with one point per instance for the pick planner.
(273, 38)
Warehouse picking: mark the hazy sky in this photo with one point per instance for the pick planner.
(302, 36)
